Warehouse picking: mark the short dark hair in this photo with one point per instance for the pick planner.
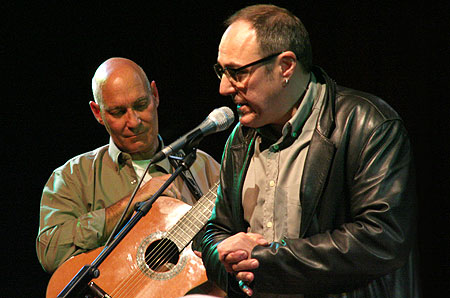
(277, 29)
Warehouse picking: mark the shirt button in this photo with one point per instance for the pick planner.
(272, 183)
(269, 224)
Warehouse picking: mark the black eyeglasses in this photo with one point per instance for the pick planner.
(232, 73)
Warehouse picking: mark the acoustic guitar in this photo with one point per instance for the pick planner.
(154, 259)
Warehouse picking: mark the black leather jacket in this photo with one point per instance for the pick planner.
(357, 193)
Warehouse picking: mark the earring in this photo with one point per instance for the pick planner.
(286, 82)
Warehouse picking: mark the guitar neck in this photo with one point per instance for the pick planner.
(193, 221)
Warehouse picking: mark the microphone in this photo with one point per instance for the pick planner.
(218, 120)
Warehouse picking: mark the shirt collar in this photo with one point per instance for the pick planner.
(120, 157)
(113, 151)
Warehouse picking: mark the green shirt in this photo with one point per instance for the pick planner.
(72, 211)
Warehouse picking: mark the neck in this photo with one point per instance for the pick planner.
(296, 91)
(143, 155)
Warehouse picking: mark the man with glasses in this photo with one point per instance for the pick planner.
(316, 195)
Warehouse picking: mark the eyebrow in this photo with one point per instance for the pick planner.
(232, 65)
(137, 101)
(140, 99)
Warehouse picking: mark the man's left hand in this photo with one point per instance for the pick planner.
(235, 254)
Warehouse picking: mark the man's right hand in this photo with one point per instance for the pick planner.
(149, 188)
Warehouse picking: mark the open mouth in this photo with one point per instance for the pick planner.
(241, 109)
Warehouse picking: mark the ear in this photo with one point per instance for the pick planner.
(154, 91)
(288, 62)
(95, 108)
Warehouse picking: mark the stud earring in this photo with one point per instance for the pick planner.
(286, 82)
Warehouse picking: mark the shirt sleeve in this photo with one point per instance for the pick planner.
(67, 225)
(210, 167)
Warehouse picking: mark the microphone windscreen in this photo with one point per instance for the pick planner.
(223, 118)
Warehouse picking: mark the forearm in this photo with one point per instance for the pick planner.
(218, 229)
(114, 212)
(331, 262)
(215, 270)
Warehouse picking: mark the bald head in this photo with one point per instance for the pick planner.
(126, 104)
(115, 72)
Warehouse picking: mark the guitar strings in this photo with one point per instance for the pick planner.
(160, 256)
(168, 252)
(160, 253)
(164, 251)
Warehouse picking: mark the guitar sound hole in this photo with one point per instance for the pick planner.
(161, 255)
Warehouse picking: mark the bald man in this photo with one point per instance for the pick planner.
(84, 199)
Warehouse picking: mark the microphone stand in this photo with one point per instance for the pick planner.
(82, 280)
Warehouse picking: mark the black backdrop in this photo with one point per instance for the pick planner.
(50, 52)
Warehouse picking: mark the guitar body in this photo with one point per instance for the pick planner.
(126, 273)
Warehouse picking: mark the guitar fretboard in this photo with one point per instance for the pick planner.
(193, 221)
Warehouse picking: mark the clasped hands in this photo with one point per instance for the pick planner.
(235, 254)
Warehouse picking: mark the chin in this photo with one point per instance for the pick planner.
(135, 148)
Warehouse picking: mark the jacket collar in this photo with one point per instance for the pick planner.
(326, 123)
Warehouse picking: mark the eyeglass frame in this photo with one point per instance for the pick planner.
(226, 70)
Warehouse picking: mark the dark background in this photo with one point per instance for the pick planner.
(50, 52)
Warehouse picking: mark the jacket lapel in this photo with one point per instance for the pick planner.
(315, 173)
(319, 158)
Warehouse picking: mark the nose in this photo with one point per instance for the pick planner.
(226, 87)
(133, 119)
